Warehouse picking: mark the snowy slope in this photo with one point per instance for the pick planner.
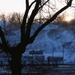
(52, 37)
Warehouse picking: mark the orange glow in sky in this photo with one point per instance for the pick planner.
(69, 15)
(8, 6)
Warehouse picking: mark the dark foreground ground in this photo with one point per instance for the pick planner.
(41, 70)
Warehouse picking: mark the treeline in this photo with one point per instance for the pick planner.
(14, 20)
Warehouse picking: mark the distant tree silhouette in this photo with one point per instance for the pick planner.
(3, 18)
(15, 19)
(17, 51)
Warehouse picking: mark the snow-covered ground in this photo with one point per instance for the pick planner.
(52, 37)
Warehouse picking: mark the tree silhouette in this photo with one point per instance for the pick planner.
(17, 51)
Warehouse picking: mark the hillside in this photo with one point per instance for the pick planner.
(57, 38)
(52, 37)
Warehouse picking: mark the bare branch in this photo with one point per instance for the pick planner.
(27, 4)
(4, 44)
(24, 21)
(32, 3)
(43, 4)
(2, 36)
(50, 20)
(0, 45)
(33, 14)
(23, 25)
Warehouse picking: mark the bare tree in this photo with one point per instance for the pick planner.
(17, 51)
(3, 18)
(15, 19)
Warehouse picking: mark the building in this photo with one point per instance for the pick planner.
(37, 56)
(38, 52)
(34, 57)
(27, 60)
(55, 60)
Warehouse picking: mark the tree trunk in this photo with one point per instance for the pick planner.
(15, 64)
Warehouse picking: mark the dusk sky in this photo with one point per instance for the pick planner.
(8, 6)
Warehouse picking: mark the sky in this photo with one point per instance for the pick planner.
(8, 6)
(16, 5)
